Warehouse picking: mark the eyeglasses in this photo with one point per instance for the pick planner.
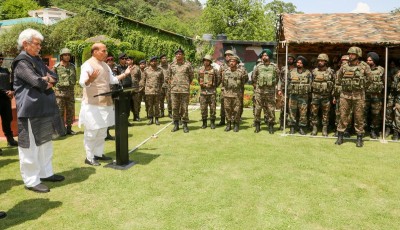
(36, 43)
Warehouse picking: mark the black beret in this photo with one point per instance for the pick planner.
(374, 56)
(303, 60)
(153, 58)
(142, 61)
(121, 55)
(163, 55)
(180, 50)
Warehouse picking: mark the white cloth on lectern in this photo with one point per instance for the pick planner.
(35, 161)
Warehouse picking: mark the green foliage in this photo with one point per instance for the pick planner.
(8, 39)
(17, 8)
(137, 55)
(86, 53)
(243, 19)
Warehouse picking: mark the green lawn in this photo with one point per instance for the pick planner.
(210, 179)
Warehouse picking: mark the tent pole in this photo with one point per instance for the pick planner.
(383, 140)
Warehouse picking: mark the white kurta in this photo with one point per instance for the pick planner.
(95, 118)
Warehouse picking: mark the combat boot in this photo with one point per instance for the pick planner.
(150, 121)
(204, 124)
(301, 131)
(373, 134)
(346, 133)
(212, 124)
(257, 125)
(228, 126)
(176, 126)
(185, 127)
(314, 131)
(339, 140)
(387, 131)
(395, 136)
(157, 122)
(162, 113)
(291, 130)
(11, 141)
(236, 126)
(271, 128)
(222, 122)
(281, 125)
(360, 142)
(170, 114)
(325, 130)
(70, 131)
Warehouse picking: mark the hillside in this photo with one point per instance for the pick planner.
(179, 16)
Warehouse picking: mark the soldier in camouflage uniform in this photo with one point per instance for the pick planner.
(389, 119)
(179, 78)
(152, 82)
(374, 95)
(396, 109)
(233, 80)
(322, 86)
(291, 65)
(126, 82)
(137, 93)
(299, 87)
(166, 91)
(265, 79)
(336, 96)
(208, 80)
(224, 66)
(353, 77)
(64, 89)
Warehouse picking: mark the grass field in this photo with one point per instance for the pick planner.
(210, 179)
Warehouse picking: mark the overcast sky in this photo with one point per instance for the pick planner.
(343, 6)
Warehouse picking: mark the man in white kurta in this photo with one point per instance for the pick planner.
(97, 113)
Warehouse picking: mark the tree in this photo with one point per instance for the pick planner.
(17, 8)
(395, 11)
(243, 19)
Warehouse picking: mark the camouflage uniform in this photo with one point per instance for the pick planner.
(232, 82)
(322, 86)
(179, 78)
(223, 67)
(137, 93)
(389, 119)
(64, 91)
(152, 82)
(354, 81)
(265, 79)
(396, 95)
(283, 96)
(299, 87)
(243, 69)
(208, 80)
(374, 100)
(165, 92)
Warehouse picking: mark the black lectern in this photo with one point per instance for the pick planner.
(121, 99)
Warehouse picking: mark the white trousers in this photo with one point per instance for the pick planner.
(93, 141)
(35, 161)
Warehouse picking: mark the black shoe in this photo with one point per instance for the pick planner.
(136, 118)
(130, 124)
(93, 162)
(70, 131)
(228, 126)
(53, 178)
(257, 125)
(150, 121)
(157, 122)
(360, 141)
(395, 136)
(103, 158)
(339, 140)
(271, 129)
(204, 124)
(185, 127)
(11, 141)
(176, 126)
(373, 134)
(291, 130)
(236, 127)
(41, 188)
(2, 214)
(222, 122)
(109, 138)
(301, 131)
(212, 125)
